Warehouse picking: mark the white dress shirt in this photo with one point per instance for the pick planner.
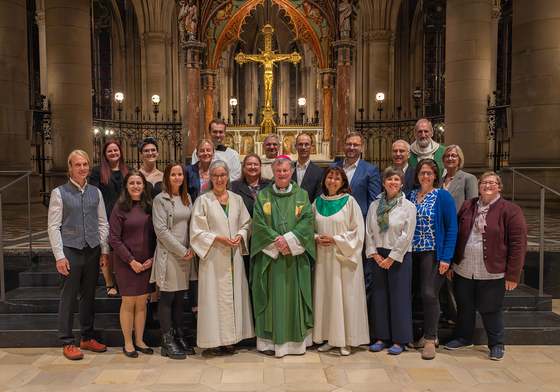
(398, 239)
(55, 222)
(300, 171)
(293, 242)
(350, 170)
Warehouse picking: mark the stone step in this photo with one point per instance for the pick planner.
(32, 300)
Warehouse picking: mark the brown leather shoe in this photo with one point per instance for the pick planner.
(93, 345)
(421, 343)
(429, 351)
(71, 352)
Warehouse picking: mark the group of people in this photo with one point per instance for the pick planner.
(287, 251)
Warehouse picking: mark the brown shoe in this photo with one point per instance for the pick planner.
(71, 352)
(429, 351)
(93, 345)
(421, 343)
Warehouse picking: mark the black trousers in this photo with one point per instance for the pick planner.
(391, 304)
(81, 279)
(488, 297)
(430, 284)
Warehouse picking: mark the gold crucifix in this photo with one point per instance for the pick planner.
(267, 58)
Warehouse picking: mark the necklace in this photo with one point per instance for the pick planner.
(222, 198)
(283, 224)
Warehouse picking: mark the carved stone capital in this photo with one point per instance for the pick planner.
(327, 77)
(496, 13)
(209, 77)
(155, 39)
(40, 18)
(378, 36)
(344, 52)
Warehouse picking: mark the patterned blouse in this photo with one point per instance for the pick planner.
(424, 234)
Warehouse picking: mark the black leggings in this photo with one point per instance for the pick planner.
(170, 309)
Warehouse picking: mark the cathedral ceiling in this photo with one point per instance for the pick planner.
(313, 22)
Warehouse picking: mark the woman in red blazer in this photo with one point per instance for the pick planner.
(489, 256)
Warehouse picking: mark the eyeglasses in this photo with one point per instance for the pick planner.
(489, 183)
(427, 173)
(354, 145)
(149, 151)
(399, 151)
(220, 176)
(453, 156)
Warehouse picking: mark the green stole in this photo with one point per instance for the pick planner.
(282, 287)
(438, 157)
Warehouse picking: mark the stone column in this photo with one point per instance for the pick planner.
(208, 85)
(155, 75)
(327, 78)
(467, 78)
(69, 80)
(14, 102)
(40, 19)
(379, 67)
(344, 49)
(192, 62)
(535, 90)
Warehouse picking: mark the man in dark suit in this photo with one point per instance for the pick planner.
(366, 186)
(306, 174)
(400, 153)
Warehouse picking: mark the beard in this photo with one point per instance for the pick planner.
(424, 143)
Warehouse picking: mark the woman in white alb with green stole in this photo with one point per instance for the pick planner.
(339, 295)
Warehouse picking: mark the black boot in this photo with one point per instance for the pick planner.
(182, 342)
(169, 347)
(152, 314)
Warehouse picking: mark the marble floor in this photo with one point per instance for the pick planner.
(524, 368)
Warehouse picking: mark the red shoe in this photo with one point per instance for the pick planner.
(72, 352)
(93, 345)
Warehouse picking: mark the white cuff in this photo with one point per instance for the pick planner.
(271, 251)
(294, 244)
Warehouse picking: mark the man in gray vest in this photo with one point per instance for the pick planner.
(79, 236)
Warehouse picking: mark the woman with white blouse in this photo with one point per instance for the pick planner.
(390, 225)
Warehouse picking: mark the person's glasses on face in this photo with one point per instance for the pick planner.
(149, 151)
(488, 183)
(452, 156)
(399, 151)
(353, 145)
(426, 174)
(220, 176)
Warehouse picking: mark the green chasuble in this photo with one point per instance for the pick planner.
(282, 286)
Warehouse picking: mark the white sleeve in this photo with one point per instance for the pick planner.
(54, 224)
(271, 251)
(371, 225)
(194, 158)
(294, 244)
(235, 167)
(103, 225)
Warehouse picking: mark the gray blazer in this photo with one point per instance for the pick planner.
(463, 186)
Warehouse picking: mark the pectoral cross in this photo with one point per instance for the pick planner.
(267, 58)
(283, 224)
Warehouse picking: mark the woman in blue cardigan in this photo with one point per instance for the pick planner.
(433, 244)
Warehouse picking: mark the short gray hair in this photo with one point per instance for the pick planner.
(423, 120)
(280, 161)
(402, 141)
(271, 135)
(391, 171)
(491, 173)
(459, 152)
(214, 165)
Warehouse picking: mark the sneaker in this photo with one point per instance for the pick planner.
(344, 351)
(377, 347)
(93, 345)
(457, 344)
(395, 350)
(496, 353)
(71, 352)
(324, 348)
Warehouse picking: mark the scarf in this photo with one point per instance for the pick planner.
(480, 220)
(383, 210)
(424, 152)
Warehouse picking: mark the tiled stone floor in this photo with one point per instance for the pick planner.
(524, 368)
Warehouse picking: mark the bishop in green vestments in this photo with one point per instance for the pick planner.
(282, 257)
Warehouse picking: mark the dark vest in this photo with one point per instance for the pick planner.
(80, 221)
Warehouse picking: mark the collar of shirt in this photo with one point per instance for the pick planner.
(304, 166)
(80, 188)
(405, 168)
(284, 190)
(346, 167)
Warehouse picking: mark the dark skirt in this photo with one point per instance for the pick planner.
(130, 283)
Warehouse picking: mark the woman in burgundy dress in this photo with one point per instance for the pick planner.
(133, 239)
